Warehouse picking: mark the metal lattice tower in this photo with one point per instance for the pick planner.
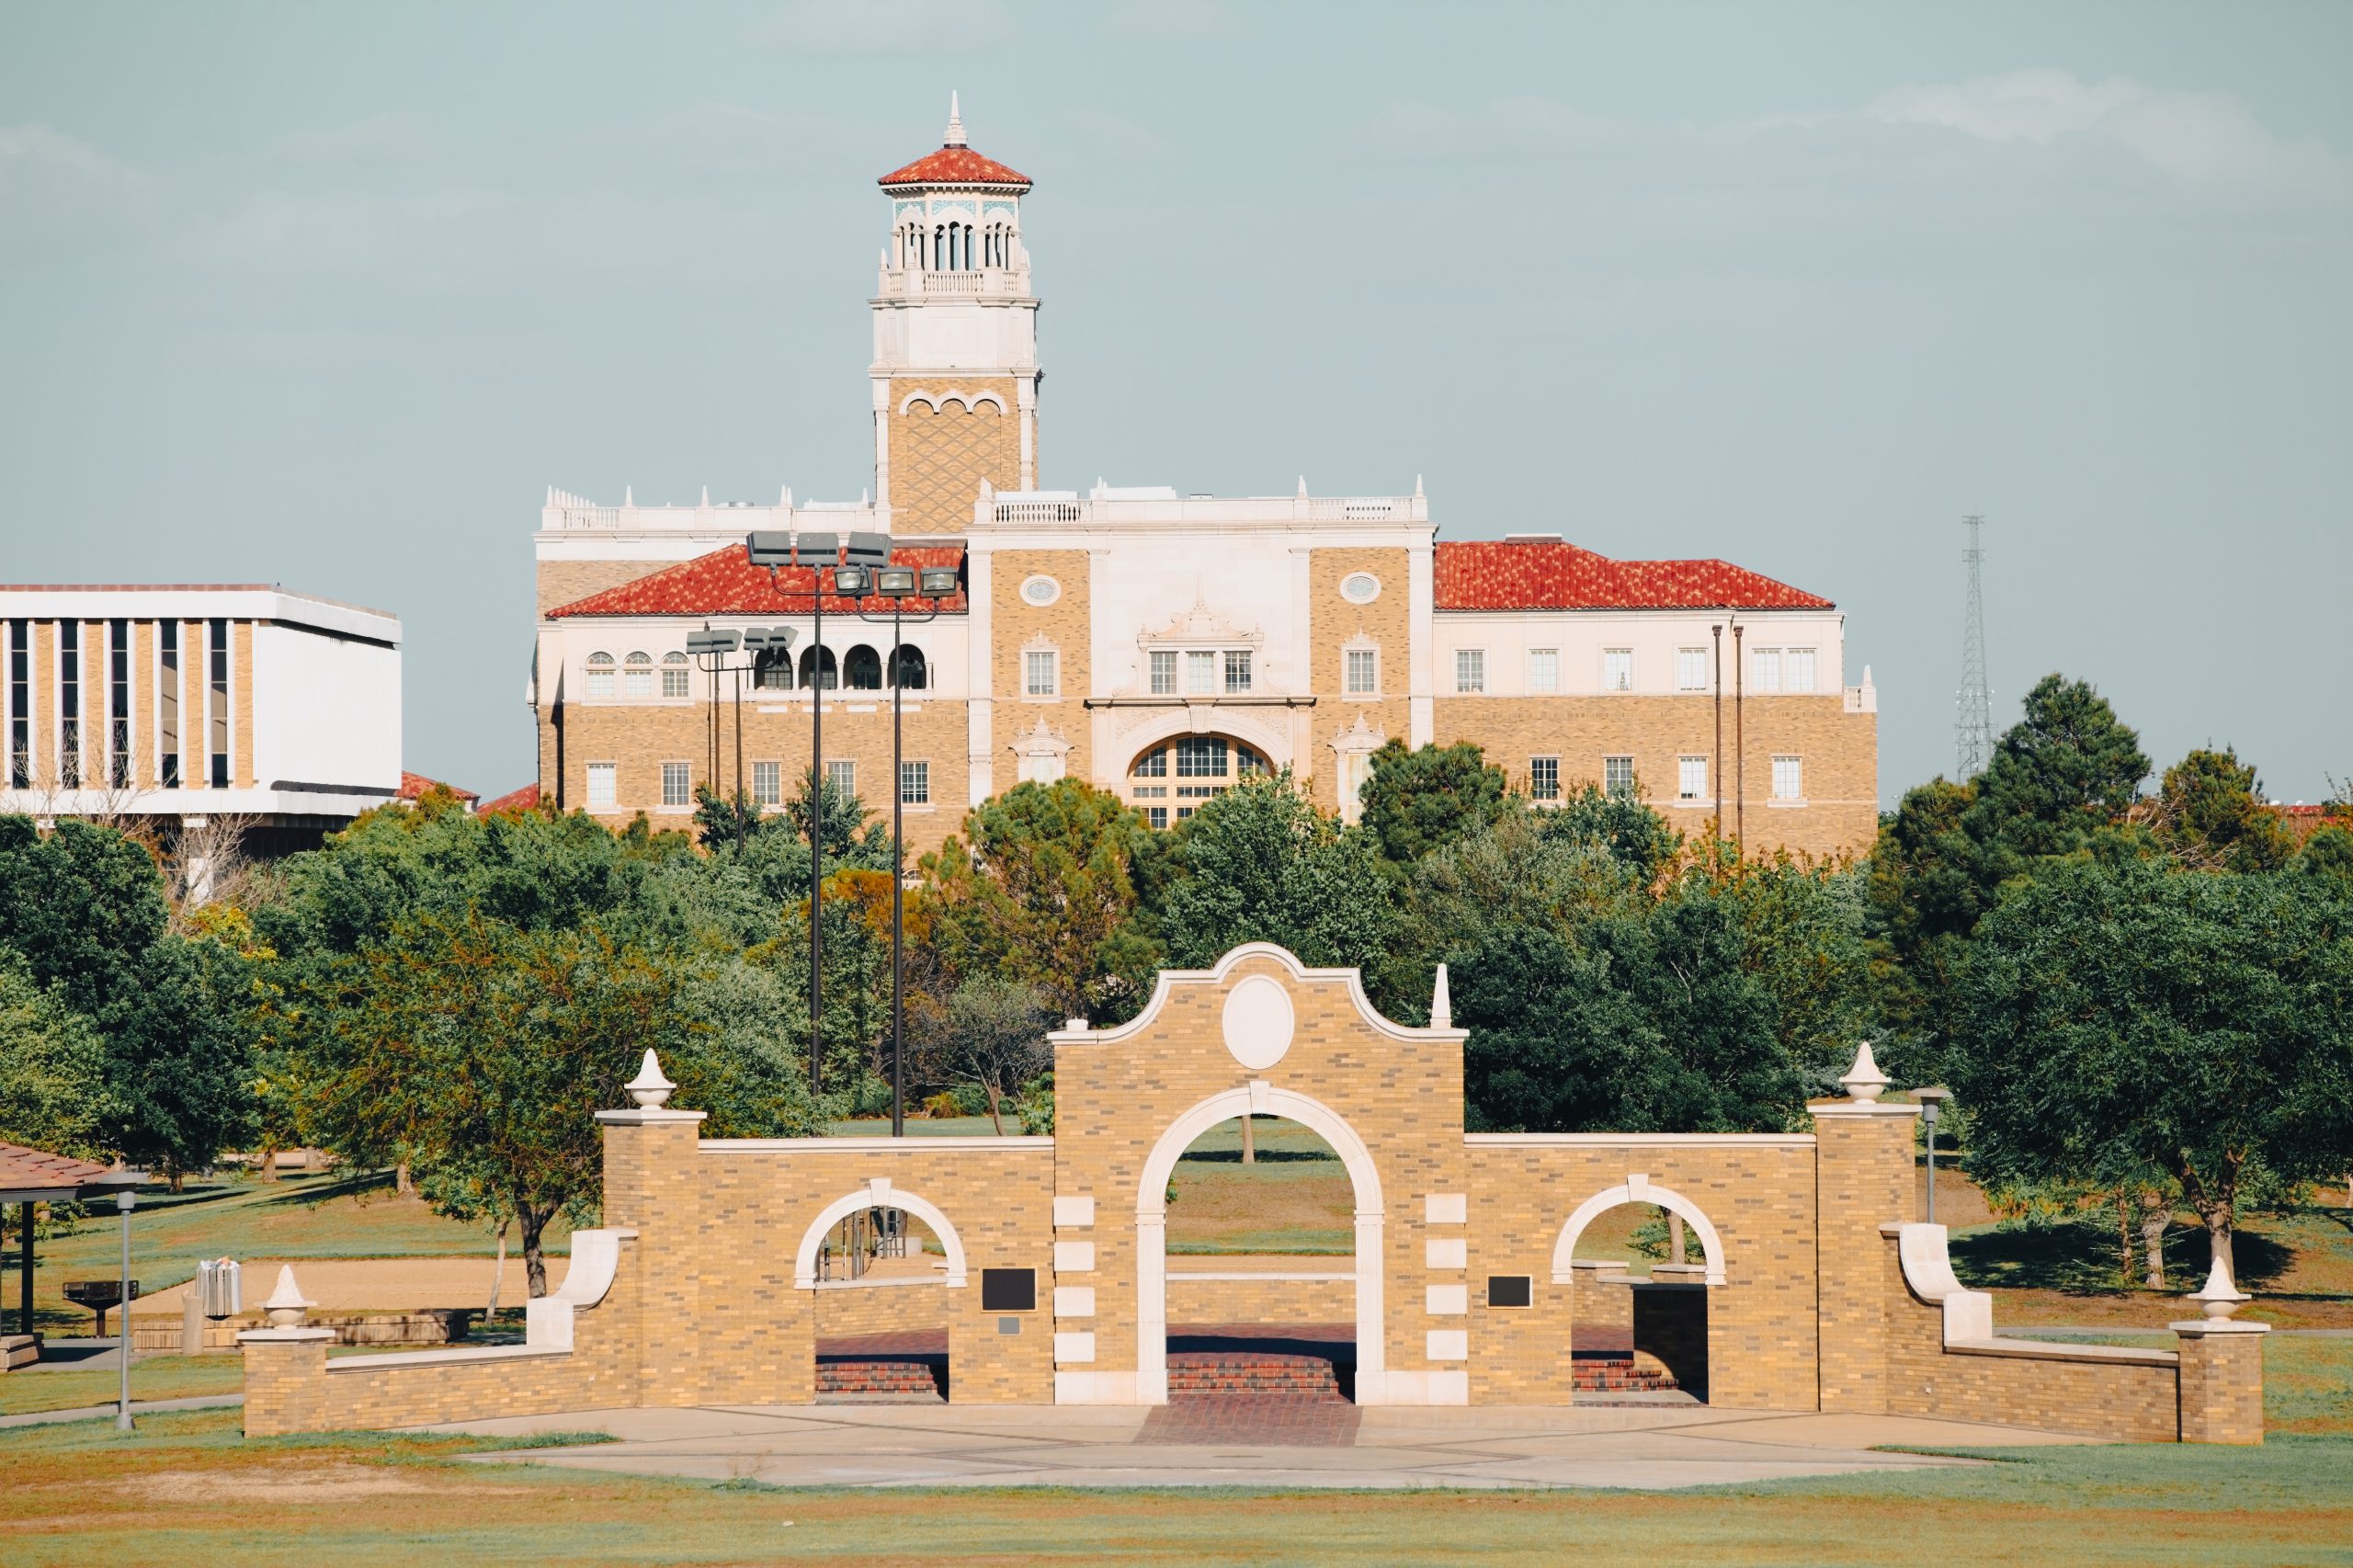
(1972, 724)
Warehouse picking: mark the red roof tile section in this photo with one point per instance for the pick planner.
(954, 165)
(726, 583)
(527, 799)
(414, 785)
(1547, 574)
(37, 1170)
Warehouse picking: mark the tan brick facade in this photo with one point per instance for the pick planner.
(1838, 751)
(1336, 625)
(1019, 628)
(944, 443)
(1798, 1300)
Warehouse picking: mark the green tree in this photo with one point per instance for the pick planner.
(1045, 891)
(1260, 864)
(53, 1089)
(2211, 815)
(180, 1057)
(993, 1034)
(2066, 772)
(2122, 1021)
(1415, 802)
(2327, 855)
(80, 905)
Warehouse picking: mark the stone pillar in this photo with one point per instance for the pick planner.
(1863, 1175)
(650, 1154)
(2222, 1380)
(286, 1381)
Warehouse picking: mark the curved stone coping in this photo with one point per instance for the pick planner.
(596, 1257)
(2052, 1350)
(1969, 1314)
(958, 1144)
(1639, 1140)
(337, 1364)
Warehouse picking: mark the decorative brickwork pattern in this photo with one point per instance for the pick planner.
(943, 445)
(1016, 627)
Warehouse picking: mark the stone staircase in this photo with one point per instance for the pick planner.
(1618, 1371)
(876, 1378)
(1311, 1378)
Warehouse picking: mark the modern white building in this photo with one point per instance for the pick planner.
(197, 701)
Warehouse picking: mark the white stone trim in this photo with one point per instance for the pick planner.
(1446, 1252)
(596, 1258)
(1447, 1209)
(804, 1258)
(1073, 1257)
(1073, 1301)
(1447, 1344)
(1445, 1301)
(1172, 978)
(968, 399)
(1075, 1348)
(1637, 1189)
(1074, 1213)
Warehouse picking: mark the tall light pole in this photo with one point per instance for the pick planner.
(1931, 1102)
(897, 583)
(124, 1185)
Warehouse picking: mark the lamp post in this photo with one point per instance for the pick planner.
(820, 552)
(124, 1185)
(897, 583)
(1931, 1100)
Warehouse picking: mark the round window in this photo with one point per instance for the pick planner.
(1042, 590)
(1359, 587)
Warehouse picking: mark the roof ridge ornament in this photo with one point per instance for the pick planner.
(955, 137)
(1864, 1082)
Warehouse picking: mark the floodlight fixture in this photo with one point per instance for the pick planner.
(895, 582)
(817, 549)
(868, 550)
(939, 581)
(853, 582)
(769, 547)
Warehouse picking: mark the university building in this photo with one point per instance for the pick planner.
(185, 702)
(1160, 644)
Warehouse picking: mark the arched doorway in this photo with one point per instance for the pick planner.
(1152, 1230)
(1638, 1300)
(878, 1264)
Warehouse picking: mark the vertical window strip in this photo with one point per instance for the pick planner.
(217, 702)
(168, 703)
(118, 704)
(69, 704)
(20, 705)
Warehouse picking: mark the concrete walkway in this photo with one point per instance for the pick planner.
(884, 1445)
(139, 1407)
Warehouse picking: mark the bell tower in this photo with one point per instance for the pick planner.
(955, 370)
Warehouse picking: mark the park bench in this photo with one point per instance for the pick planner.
(99, 1296)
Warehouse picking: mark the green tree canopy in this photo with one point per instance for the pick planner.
(2211, 815)
(53, 1089)
(1260, 864)
(1417, 800)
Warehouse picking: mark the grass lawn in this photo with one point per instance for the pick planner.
(151, 1377)
(327, 1215)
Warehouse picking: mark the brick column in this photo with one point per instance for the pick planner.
(2222, 1380)
(1863, 1174)
(651, 1186)
(286, 1381)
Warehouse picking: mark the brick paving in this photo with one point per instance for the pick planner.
(1252, 1420)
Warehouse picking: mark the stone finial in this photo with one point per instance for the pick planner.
(650, 1088)
(1442, 1000)
(955, 122)
(2220, 1297)
(1864, 1081)
(286, 1306)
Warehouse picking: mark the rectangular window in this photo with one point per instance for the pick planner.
(637, 679)
(767, 783)
(600, 677)
(118, 704)
(842, 778)
(601, 794)
(1691, 669)
(1470, 669)
(217, 702)
(1691, 777)
(1038, 672)
(1156, 815)
(167, 702)
(1544, 669)
(914, 783)
(1237, 670)
(1201, 757)
(20, 705)
(1617, 774)
(1153, 764)
(1200, 673)
(1164, 672)
(1543, 777)
(677, 785)
(675, 678)
(1788, 779)
(69, 704)
(1797, 671)
(1765, 670)
(1617, 669)
(1363, 672)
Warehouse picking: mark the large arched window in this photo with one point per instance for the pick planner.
(600, 674)
(863, 669)
(637, 676)
(811, 669)
(772, 671)
(912, 673)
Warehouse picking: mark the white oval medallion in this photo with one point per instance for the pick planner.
(1258, 1022)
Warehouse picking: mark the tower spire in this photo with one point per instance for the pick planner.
(955, 122)
(1973, 703)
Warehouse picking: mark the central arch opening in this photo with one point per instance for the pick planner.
(1261, 1242)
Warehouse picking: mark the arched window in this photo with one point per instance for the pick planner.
(910, 673)
(600, 674)
(809, 669)
(772, 672)
(676, 676)
(637, 676)
(863, 669)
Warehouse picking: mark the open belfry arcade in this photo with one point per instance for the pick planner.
(1160, 644)
(710, 1281)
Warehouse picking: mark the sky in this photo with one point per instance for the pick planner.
(328, 294)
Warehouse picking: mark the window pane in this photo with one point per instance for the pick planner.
(1237, 669)
(600, 785)
(767, 783)
(1617, 669)
(1038, 663)
(1765, 670)
(600, 674)
(1470, 669)
(677, 784)
(1201, 673)
(1544, 669)
(1164, 672)
(1691, 669)
(674, 680)
(1788, 779)
(1544, 778)
(1156, 815)
(1153, 764)
(914, 783)
(1799, 675)
(1617, 774)
(1691, 778)
(1201, 757)
(843, 777)
(1364, 672)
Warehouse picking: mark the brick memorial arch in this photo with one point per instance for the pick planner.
(1815, 1292)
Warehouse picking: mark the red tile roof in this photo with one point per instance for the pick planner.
(35, 1170)
(954, 165)
(414, 785)
(1549, 575)
(527, 799)
(726, 583)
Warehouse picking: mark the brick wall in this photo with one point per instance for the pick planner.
(1332, 623)
(1865, 1181)
(1016, 626)
(1258, 1301)
(939, 456)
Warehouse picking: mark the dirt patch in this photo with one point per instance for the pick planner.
(318, 1483)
